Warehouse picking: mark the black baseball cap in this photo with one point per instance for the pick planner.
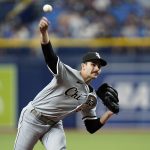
(91, 56)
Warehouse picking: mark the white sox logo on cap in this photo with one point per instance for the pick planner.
(97, 54)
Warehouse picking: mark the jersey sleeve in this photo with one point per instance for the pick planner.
(90, 107)
(89, 114)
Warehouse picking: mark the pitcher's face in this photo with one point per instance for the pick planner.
(91, 69)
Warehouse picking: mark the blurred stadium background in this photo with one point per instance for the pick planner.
(118, 29)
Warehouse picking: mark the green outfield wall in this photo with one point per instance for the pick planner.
(8, 95)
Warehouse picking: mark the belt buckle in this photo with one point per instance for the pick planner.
(42, 117)
(47, 120)
(50, 122)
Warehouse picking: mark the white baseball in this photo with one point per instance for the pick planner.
(47, 8)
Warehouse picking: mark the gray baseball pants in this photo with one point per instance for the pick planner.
(31, 129)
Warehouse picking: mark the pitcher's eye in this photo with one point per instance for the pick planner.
(93, 64)
(99, 66)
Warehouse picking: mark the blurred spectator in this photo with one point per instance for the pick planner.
(80, 19)
(88, 18)
(144, 3)
(131, 27)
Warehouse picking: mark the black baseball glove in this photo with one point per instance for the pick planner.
(109, 97)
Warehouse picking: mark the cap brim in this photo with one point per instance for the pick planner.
(103, 62)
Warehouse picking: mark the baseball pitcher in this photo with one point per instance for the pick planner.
(69, 91)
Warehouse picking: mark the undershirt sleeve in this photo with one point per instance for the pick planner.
(51, 58)
(92, 125)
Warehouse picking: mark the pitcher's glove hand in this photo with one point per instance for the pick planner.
(109, 97)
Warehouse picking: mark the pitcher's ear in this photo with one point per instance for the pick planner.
(82, 65)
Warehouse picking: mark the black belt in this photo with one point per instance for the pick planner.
(43, 118)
